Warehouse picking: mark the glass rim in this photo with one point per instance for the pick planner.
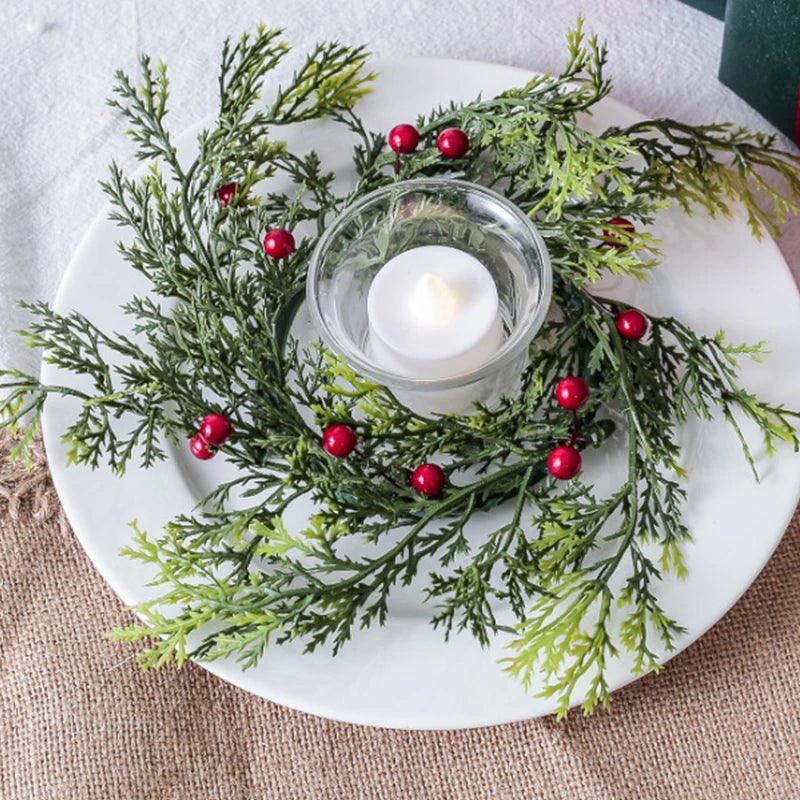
(519, 337)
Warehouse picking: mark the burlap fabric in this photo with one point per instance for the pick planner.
(78, 719)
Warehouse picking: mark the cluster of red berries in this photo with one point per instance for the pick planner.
(564, 462)
(215, 430)
(631, 324)
(278, 242)
(572, 392)
(339, 440)
(452, 142)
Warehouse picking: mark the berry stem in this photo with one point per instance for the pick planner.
(229, 409)
(359, 456)
(589, 296)
(575, 429)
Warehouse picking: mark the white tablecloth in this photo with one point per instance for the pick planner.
(58, 60)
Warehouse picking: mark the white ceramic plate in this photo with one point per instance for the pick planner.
(404, 675)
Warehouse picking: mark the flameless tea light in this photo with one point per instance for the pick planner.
(434, 288)
(433, 313)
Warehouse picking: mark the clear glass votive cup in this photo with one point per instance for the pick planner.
(415, 213)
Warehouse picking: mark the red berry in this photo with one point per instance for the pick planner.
(339, 440)
(226, 192)
(215, 429)
(572, 392)
(200, 449)
(453, 143)
(564, 462)
(279, 243)
(611, 235)
(631, 324)
(428, 480)
(403, 138)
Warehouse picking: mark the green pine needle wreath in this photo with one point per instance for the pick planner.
(214, 334)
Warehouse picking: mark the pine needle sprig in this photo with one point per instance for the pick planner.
(713, 166)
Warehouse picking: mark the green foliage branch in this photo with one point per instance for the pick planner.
(215, 333)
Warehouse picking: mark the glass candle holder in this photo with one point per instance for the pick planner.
(431, 213)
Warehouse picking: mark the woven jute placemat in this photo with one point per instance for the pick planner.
(79, 719)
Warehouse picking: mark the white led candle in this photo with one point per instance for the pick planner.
(445, 327)
(433, 313)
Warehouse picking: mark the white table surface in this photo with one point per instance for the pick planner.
(57, 61)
